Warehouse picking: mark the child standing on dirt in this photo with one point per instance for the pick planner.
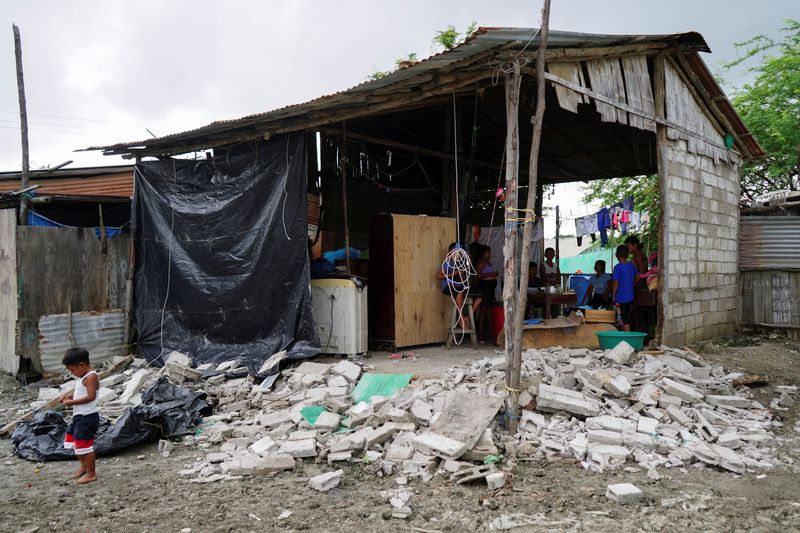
(85, 417)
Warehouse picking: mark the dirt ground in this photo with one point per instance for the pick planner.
(139, 491)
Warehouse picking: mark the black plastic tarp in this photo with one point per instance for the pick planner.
(221, 248)
(166, 411)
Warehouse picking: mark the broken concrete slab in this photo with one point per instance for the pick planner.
(472, 474)
(327, 481)
(299, 448)
(553, 399)
(263, 445)
(496, 480)
(347, 369)
(307, 367)
(624, 493)
(327, 421)
(135, 384)
(620, 354)
(432, 443)
(682, 391)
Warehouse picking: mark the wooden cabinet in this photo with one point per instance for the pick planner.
(406, 304)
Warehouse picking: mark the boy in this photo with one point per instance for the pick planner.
(622, 293)
(599, 291)
(85, 419)
(454, 282)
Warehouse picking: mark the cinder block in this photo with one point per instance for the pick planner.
(624, 493)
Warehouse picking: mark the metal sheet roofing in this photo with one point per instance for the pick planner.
(478, 54)
(105, 182)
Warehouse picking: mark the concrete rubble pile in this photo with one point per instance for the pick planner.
(666, 410)
(257, 431)
(601, 409)
(117, 392)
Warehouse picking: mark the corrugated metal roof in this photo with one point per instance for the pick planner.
(483, 43)
(101, 333)
(769, 243)
(107, 182)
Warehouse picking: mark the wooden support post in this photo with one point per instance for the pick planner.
(127, 331)
(343, 167)
(659, 96)
(514, 368)
(510, 308)
(23, 126)
(558, 233)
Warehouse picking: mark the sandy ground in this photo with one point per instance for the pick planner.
(140, 491)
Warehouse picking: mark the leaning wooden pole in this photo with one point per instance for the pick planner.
(343, 163)
(513, 79)
(513, 377)
(23, 126)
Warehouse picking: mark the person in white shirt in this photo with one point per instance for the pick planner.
(85, 416)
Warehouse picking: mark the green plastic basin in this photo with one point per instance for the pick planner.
(609, 339)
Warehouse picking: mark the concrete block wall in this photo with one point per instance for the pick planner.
(702, 238)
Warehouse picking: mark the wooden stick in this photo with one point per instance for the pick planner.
(510, 307)
(23, 126)
(513, 377)
(113, 369)
(659, 95)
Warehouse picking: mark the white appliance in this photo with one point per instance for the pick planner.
(340, 315)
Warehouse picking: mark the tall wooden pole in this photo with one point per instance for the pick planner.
(513, 370)
(510, 308)
(23, 125)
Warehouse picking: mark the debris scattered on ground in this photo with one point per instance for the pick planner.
(624, 493)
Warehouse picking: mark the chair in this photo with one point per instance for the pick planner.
(459, 331)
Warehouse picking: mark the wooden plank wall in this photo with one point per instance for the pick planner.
(771, 297)
(57, 265)
(421, 310)
(9, 362)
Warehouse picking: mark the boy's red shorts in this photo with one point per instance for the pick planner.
(81, 432)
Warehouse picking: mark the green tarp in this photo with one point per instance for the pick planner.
(379, 385)
(585, 262)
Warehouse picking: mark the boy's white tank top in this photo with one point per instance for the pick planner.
(81, 392)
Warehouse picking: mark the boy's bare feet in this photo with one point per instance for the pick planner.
(80, 472)
(86, 478)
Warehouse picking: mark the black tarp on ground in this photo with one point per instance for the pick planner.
(222, 250)
(167, 410)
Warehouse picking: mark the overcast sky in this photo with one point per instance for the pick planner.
(98, 72)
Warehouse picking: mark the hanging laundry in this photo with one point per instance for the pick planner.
(586, 226)
(603, 224)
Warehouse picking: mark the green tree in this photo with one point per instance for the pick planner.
(770, 107)
(445, 39)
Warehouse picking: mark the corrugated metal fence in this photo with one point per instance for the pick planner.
(769, 243)
(769, 280)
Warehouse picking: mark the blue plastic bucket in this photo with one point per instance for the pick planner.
(579, 284)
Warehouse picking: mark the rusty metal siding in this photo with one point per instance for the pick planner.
(771, 299)
(112, 185)
(101, 333)
(769, 243)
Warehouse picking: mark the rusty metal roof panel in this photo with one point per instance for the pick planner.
(100, 332)
(113, 185)
(771, 243)
(483, 41)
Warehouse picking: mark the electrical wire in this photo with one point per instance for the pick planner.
(285, 192)
(457, 266)
(169, 258)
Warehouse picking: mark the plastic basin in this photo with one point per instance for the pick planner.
(609, 339)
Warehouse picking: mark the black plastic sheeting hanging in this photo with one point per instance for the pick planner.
(222, 256)
(166, 411)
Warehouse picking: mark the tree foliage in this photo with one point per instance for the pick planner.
(770, 107)
(445, 39)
